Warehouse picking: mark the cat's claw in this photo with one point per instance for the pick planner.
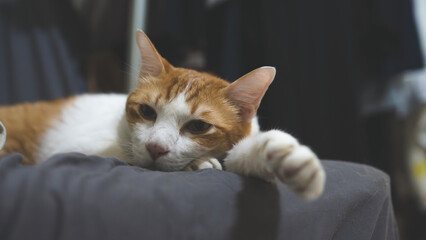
(293, 164)
(203, 164)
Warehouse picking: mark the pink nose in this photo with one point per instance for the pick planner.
(155, 150)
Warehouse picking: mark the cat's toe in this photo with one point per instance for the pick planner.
(314, 188)
(302, 171)
(203, 164)
(276, 146)
(210, 163)
(215, 163)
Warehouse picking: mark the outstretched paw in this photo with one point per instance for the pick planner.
(203, 163)
(293, 164)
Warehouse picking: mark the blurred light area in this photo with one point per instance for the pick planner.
(417, 78)
(403, 92)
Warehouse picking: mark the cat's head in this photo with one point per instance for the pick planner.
(177, 115)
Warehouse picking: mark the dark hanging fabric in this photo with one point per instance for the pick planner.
(324, 52)
(51, 49)
(108, 23)
(387, 37)
(42, 46)
(223, 33)
(314, 94)
(177, 28)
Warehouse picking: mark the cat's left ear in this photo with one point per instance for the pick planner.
(248, 91)
(151, 60)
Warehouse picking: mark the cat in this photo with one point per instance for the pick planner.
(176, 119)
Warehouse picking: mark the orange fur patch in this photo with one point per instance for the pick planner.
(25, 124)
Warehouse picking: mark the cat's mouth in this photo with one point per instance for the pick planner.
(169, 162)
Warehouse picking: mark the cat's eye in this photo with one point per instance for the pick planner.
(197, 126)
(147, 112)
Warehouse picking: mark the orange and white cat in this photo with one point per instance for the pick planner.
(176, 119)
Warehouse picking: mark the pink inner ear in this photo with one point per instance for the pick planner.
(150, 59)
(248, 91)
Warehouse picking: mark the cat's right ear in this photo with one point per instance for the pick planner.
(151, 60)
(248, 91)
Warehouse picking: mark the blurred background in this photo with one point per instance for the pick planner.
(351, 81)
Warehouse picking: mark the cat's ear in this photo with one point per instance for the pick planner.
(248, 90)
(151, 60)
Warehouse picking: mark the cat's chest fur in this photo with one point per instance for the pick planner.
(90, 124)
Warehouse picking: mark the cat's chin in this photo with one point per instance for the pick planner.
(167, 166)
(141, 162)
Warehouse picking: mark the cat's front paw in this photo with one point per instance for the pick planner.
(203, 163)
(293, 164)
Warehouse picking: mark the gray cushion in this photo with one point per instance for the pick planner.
(74, 196)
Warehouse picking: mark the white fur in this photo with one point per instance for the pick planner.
(91, 124)
(255, 128)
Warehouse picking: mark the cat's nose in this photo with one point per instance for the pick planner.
(156, 150)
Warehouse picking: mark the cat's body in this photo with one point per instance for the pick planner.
(176, 119)
(93, 124)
